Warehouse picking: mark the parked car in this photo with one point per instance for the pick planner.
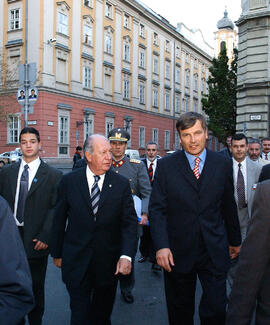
(132, 154)
(10, 157)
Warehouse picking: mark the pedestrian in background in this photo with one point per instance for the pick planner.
(30, 188)
(254, 152)
(77, 156)
(194, 224)
(134, 170)
(94, 234)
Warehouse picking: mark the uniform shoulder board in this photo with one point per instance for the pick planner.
(135, 161)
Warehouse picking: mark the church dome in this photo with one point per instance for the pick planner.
(225, 22)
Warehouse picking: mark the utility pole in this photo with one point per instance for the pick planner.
(26, 68)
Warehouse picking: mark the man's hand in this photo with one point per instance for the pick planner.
(123, 266)
(234, 251)
(39, 245)
(57, 262)
(144, 219)
(165, 259)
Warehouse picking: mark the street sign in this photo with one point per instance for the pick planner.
(32, 73)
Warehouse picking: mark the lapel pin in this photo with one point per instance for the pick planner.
(35, 180)
(110, 185)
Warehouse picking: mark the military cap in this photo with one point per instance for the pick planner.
(118, 134)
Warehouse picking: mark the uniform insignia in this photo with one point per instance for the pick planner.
(118, 163)
(135, 161)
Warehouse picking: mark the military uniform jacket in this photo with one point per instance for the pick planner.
(135, 171)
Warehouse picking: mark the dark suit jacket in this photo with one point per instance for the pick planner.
(182, 207)
(85, 241)
(265, 173)
(16, 296)
(225, 152)
(145, 162)
(252, 277)
(39, 205)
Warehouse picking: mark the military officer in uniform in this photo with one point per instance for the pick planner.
(135, 171)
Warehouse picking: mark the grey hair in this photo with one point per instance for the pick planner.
(253, 140)
(151, 142)
(89, 142)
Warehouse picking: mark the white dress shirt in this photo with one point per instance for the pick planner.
(154, 165)
(91, 180)
(32, 170)
(266, 155)
(244, 172)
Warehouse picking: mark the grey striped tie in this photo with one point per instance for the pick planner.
(95, 194)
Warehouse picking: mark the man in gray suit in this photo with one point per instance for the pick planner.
(252, 278)
(245, 174)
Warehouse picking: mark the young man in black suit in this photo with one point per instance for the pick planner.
(194, 224)
(30, 187)
(94, 233)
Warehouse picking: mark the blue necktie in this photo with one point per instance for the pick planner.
(95, 194)
(22, 194)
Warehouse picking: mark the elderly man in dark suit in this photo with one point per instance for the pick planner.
(265, 173)
(30, 188)
(194, 224)
(251, 288)
(94, 234)
(16, 296)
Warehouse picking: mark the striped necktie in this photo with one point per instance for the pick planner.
(240, 189)
(196, 170)
(95, 194)
(150, 172)
(22, 194)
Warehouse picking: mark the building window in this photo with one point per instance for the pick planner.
(177, 140)
(155, 39)
(15, 19)
(141, 59)
(177, 52)
(142, 93)
(87, 77)
(203, 86)
(141, 30)
(88, 3)
(126, 86)
(127, 127)
(155, 135)
(155, 65)
(62, 23)
(167, 70)
(195, 82)
(108, 43)
(187, 79)
(108, 10)
(195, 105)
(63, 133)
(126, 21)
(89, 126)
(13, 128)
(155, 97)
(108, 81)
(167, 140)
(87, 35)
(167, 46)
(126, 52)
(177, 76)
(141, 137)
(186, 104)
(167, 101)
(187, 58)
(177, 104)
(109, 125)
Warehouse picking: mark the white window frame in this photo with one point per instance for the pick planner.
(108, 43)
(195, 82)
(126, 53)
(15, 19)
(128, 128)
(13, 128)
(142, 59)
(126, 21)
(155, 64)
(155, 38)
(88, 126)
(155, 135)
(177, 52)
(177, 76)
(155, 97)
(141, 30)
(177, 103)
(167, 140)
(87, 77)
(142, 93)
(126, 85)
(167, 101)
(62, 24)
(177, 140)
(88, 34)
(167, 46)
(187, 79)
(63, 132)
(167, 70)
(141, 137)
(109, 125)
(108, 10)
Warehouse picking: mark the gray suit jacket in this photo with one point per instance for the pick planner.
(16, 297)
(252, 278)
(253, 173)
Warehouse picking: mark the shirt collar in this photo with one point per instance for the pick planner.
(32, 165)
(192, 158)
(243, 163)
(91, 174)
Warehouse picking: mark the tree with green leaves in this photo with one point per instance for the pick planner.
(220, 102)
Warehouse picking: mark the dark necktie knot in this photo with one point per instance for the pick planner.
(240, 165)
(97, 178)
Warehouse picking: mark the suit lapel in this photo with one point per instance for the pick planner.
(83, 186)
(208, 171)
(250, 178)
(183, 167)
(14, 178)
(39, 178)
(106, 188)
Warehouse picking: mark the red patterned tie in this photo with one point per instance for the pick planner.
(150, 172)
(266, 156)
(196, 170)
